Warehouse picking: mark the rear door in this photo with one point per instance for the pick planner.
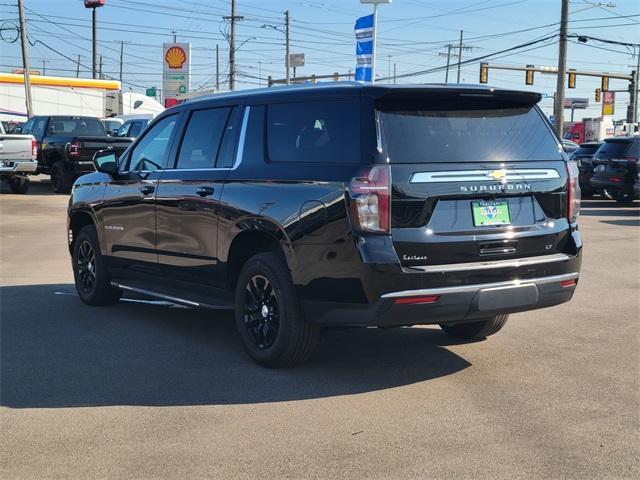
(189, 196)
(474, 178)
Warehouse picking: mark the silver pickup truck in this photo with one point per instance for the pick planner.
(18, 160)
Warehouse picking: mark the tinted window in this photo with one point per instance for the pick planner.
(226, 155)
(76, 126)
(201, 141)
(124, 129)
(136, 129)
(26, 128)
(318, 132)
(254, 140)
(415, 135)
(152, 150)
(588, 150)
(613, 149)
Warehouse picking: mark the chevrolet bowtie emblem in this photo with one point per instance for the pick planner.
(497, 174)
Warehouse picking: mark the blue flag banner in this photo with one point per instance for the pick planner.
(364, 48)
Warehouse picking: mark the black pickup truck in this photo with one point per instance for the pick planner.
(66, 145)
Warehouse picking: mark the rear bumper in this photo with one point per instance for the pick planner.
(450, 304)
(604, 183)
(18, 166)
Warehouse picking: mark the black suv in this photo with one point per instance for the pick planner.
(616, 168)
(583, 155)
(342, 204)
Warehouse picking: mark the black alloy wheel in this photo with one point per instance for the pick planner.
(86, 267)
(261, 312)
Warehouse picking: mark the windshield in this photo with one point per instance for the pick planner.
(613, 149)
(415, 135)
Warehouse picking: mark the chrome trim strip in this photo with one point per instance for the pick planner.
(489, 264)
(482, 286)
(169, 298)
(485, 175)
(242, 137)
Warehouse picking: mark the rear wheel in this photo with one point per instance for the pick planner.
(474, 330)
(61, 178)
(268, 316)
(19, 185)
(89, 270)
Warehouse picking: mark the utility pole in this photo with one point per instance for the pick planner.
(232, 45)
(121, 61)
(394, 73)
(217, 68)
(459, 56)
(175, 36)
(260, 73)
(25, 59)
(100, 69)
(389, 67)
(562, 70)
(78, 67)
(94, 17)
(44, 67)
(446, 75)
(634, 86)
(287, 60)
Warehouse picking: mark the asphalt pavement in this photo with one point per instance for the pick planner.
(149, 390)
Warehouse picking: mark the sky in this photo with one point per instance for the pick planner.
(412, 37)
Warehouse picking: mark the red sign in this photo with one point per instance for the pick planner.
(94, 3)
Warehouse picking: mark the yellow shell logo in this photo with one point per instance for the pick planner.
(175, 57)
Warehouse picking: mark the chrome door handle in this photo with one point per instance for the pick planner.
(205, 191)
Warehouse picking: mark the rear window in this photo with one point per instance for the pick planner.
(613, 149)
(588, 150)
(76, 127)
(314, 132)
(415, 135)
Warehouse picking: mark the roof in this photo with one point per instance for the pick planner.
(357, 88)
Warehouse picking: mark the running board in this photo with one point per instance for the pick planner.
(171, 298)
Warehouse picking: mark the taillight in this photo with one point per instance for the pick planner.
(34, 149)
(573, 192)
(370, 200)
(73, 150)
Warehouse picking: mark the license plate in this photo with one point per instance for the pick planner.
(490, 213)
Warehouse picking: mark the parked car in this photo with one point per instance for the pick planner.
(66, 145)
(616, 168)
(344, 204)
(18, 159)
(111, 125)
(133, 128)
(11, 127)
(583, 156)
(569, 146)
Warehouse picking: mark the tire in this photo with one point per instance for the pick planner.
(268, 316)
(19, 185)
(476, 330)
(92, 279)
(61, 178)
(623, 199)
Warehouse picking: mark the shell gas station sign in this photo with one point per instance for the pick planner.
(176, 71)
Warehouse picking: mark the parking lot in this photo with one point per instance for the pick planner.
(146, 389)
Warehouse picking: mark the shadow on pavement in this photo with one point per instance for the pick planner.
(57, 352)
(39, 185)
(623, 223)
(608, 208)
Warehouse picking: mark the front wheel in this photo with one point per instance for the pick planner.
(476, 330)
(93, 283)
(268, 316)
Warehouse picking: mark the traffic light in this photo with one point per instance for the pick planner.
(572, 78)
(597, 95)
(605, 84)
(484, 72)
(528, 79)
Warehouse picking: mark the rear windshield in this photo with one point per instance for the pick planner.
(588, 150)
(613, 149)
(76, 127)
(415, 135)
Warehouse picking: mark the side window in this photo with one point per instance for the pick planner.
(124, 129)
(136, 129)
(28, 126)
(202, 137)
(226, 155)
(314, 132)
(152, 150)
(38, 127)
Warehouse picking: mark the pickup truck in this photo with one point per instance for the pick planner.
(17, 160)
(66, 145)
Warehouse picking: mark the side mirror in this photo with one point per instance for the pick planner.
(105, 161)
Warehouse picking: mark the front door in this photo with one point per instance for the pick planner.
(128, 212)
(188, 199)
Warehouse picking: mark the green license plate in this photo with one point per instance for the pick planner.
(490, 213)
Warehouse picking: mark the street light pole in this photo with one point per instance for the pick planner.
(94, 27)
(562, 70)
(287, 60)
